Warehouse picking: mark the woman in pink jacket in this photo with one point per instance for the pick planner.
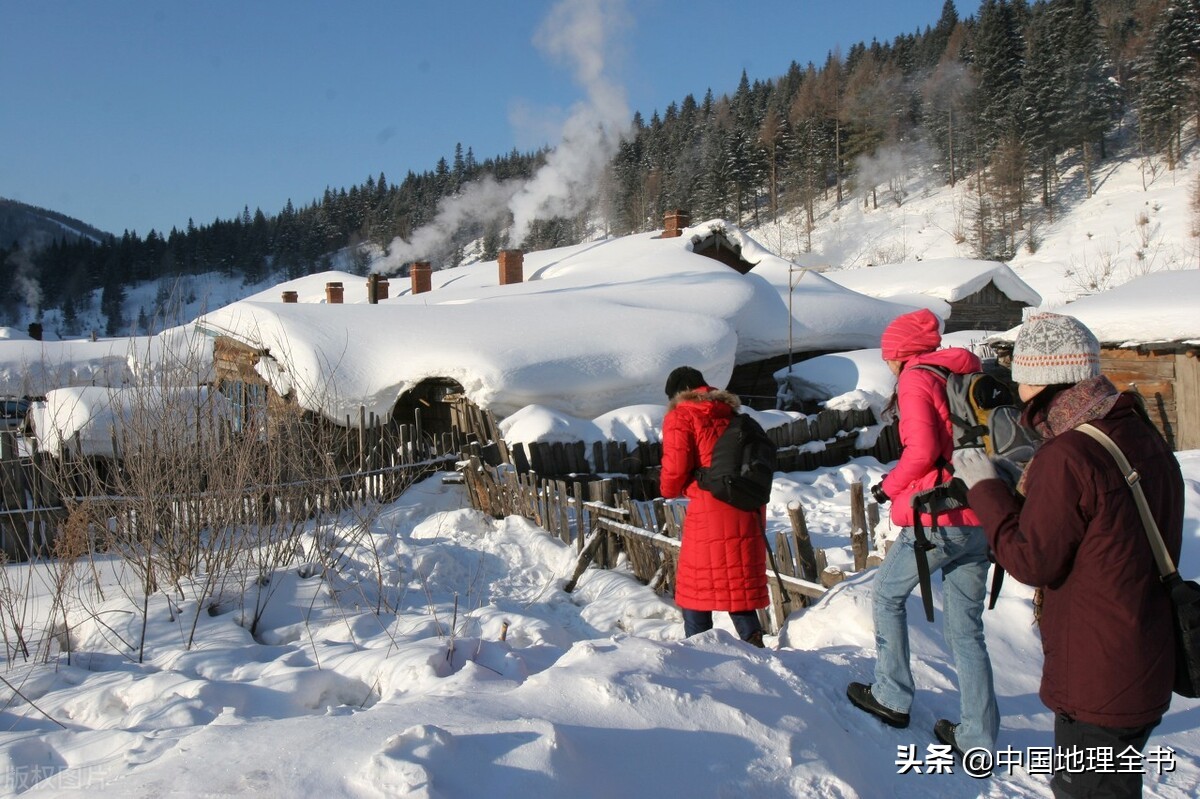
(723, 558)
(960, 548)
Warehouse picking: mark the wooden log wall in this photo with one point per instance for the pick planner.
(1152, 375)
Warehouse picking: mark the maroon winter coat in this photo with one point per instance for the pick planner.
(723, 559)
(926, 435)
(1106, 622)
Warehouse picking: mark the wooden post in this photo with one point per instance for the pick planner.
(787, 568)
(858, 526)
(831, 576)
(804, 546)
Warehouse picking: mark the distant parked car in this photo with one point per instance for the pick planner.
(12, 412)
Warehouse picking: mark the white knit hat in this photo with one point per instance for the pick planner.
(1053, 349)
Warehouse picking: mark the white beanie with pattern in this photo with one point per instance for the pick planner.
(1053, 349)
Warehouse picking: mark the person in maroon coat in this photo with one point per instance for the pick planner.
(1106, 620)
(723, 558)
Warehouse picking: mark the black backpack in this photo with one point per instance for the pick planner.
(743, 465)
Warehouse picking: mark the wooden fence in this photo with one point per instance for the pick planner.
(605, 522)
(370, 461)
(828, 438)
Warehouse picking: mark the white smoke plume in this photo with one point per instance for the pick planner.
(484, 201)
(25, 282)
(578, 33)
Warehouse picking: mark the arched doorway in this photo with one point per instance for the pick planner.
(427, 397)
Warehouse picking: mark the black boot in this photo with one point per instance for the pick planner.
(944, 732)
(861, 697)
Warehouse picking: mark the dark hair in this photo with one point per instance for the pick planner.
(684, 378)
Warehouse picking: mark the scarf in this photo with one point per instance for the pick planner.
(1086, 401)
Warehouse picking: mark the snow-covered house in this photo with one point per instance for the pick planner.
(1149, 332)
(583, 329)
(968, 294)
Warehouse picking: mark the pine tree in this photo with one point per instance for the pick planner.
(1171, 78)
(1045, 92)
(998, 56)
(1091, 98)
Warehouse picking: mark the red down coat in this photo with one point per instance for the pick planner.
(723, 560)
(925, 434)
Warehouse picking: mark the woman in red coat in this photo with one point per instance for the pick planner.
(723, 558)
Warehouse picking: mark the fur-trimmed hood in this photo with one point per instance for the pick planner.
(705, 395)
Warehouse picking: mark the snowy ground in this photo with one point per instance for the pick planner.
(356, 685)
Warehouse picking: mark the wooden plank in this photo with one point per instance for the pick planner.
(586, 556)
(564, 512)
(805, 555)
(1187, 401)
(858, 526)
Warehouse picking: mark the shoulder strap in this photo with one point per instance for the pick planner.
(940, 371)
(1166, 566)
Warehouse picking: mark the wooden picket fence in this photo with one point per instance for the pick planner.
(372, 461)
(607, 525)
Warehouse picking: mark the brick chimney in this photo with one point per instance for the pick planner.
(291, 297)
(377, 288)
(511, 266)
(420, 272)
(333, 293)
(674, 221)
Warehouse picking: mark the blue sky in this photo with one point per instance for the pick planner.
(138, 115)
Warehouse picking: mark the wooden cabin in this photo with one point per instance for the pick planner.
(1167, 376)
(969, 294)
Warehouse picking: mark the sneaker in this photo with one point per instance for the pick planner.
(944, 732)
(860, 696)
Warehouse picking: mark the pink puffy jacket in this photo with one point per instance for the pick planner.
(925, 435)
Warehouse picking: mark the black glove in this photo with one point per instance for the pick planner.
(878, 493)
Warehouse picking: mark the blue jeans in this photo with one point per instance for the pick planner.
(699, 621)
(961, 556)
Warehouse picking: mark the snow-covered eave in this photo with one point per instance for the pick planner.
(1009, 337)
(1153, 345)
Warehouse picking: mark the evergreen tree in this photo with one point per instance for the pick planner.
(947, 94)
(997, 54)
(1046, 92)
(1171, 76)
(1091, 98)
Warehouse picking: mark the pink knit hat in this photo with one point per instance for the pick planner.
(911, 334)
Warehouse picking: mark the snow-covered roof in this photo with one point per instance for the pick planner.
(1155, 308)
(311, 288)
(1159, 307)
(83, 419)
(593, 327)
(31, 367)
(945, 279)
